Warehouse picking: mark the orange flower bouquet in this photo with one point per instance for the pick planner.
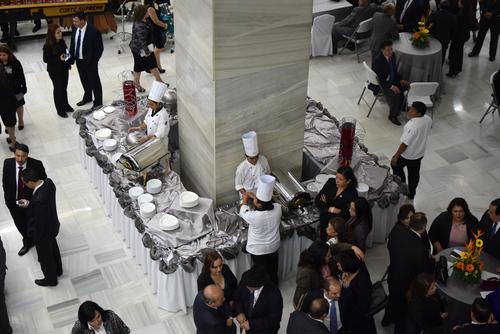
(420, 38)
(469, 266)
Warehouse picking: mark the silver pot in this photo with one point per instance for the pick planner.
(133, 138)
(170, 100)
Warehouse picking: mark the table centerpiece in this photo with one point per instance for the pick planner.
(420, 38)
(469, 266)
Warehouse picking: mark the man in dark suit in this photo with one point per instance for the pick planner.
(390, 82)
(408, 257)
(444, 26)
(208, 312)
(4, 316)
(490, 20)
(490, 225)
(86, 49)
(14, 189)
(258, 303)
(481, 317)
(43, 225)
(383, 28)
(409, 12)
(311, 322)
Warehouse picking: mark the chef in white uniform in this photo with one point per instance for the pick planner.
(264, 221)
(250, 169)
(156, 123)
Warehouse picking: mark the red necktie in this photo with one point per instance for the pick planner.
(20, 184)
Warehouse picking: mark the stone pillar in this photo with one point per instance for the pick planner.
(241, 65)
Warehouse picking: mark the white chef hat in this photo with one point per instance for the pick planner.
(157, 91)
(250, 143)
(265, 188)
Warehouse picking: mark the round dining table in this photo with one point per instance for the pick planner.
(418, 64)
(459, 294)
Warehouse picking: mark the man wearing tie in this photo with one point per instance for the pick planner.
(14, 189)
(43, 225)
(390, 82)
(409, 12)
(86, 49)
(490, 224)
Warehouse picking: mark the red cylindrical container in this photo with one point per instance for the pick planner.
(129, 97)
(347, 134)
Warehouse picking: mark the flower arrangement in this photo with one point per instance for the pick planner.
(469, 266)
(420, 38)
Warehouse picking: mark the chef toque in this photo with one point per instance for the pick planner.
(157, 91)
(265, 188)
(250, 143)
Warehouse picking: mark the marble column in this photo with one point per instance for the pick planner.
(241, 65)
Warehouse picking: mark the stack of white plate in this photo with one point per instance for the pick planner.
(147, 210)
(110, 145)
(99, 115)
(109, 109)
(103, 134)
(189, 199)
(153, 186)
(168, 222)
(323, 178)
(362, 189)
(135, 192)
(145, 198)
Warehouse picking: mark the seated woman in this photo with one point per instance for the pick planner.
(93, 319)
(356, 295)
(335, 197)
(337, 232)
(452, 228)
(361, 221)
(215, 271)
(425, 307)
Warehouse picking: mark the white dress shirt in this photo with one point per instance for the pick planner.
(17, 176)
(414, 137)
(37, 187)
(256, 295)
(101, 330)
(263, 229)
(247, 175)
(158, 124)
(82, 35)
(326, 321)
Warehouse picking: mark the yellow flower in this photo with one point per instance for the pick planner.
(421, 23)
(425, 31)
(479, 243)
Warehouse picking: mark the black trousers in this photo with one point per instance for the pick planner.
(21, 221)
(89, 77)
(456, 56)
(484, 26)
(60, 92)
(4, 316)
(270, 264)
(49, 257)
(413, 167)
(394, 100)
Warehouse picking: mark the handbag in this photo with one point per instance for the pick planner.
(441, 270)
(379, 296)
(490, 284)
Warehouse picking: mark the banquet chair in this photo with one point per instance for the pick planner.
(362, 32)
(321, 35)
(494, 101)
(372, 84)
(423, 92)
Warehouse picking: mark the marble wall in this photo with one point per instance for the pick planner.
(241, 65)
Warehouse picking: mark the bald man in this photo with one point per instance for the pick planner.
(210, 316)
(331, 293)
(310, 322)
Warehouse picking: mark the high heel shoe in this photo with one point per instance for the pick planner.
(20, 127)
(161, 70)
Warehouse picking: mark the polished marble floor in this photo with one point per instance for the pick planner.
(462, 159)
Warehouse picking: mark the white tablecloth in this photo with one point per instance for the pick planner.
(176, 291)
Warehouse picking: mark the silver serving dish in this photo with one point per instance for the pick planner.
(145, 155)
(170, 101)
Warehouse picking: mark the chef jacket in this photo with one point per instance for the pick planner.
(158, 124)
(263, 229)
(247, 175)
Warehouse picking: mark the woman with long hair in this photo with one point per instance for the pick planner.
(215, 271)
(159, 27)
(15, 71)
(56, 55)
(10, 72)
(338, 232)
(361, 221)
(93, 319)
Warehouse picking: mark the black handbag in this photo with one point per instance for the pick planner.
(442, 270)
(379, 296)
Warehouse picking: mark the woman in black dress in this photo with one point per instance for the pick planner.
(55, 54)
(144, 59)
(335, 197)
(15, 71)
(361, 221)
(159, 28)
(10, 69)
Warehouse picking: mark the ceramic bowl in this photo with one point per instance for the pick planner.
(169, 222)
(153, 186)
(135, 192)
(147, 210)
(110, 145)
(189, 199)
(145, 198)
(103, 134)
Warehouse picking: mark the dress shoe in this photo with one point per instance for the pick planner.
(36, 28)
(394, 120)
(24, 250)
(70, 109)
(492, 58)
(83, 102)
(9, 141)
(472, 54)
(44, 282)
(62, 114)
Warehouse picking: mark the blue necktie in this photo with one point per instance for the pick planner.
(251, 299)
(493, 229)
(333, 317)
(77, 50)
(392, 72)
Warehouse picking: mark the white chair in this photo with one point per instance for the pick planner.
(423, 92)
(362, 32)
(371, 78)
(494, 101)
(321, 35)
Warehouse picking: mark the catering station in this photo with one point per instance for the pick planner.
(168, 228)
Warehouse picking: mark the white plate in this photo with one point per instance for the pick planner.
(168, 222)
(103, 133)
(314, 187)
(109, 109)
(323, 178)
(135, 192)
(145, 198)
(99, 115)
(147, 210)
(188, 199)
(110, 145)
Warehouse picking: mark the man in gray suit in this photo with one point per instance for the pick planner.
(384, 28)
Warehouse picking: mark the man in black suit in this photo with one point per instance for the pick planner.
(4, 316)
(43, 225)
(258, 303)
(208, 312)
(14, 189)
(391, 83)
(409, 12)
(311, 322)
(408, 257)
(86, 49)
(490, 20)
(490, 224)
(481, 317)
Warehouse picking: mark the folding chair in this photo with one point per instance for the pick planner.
(321, 35)
(362, 32)
(423, 92)
(372, 84)
(494, 101)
